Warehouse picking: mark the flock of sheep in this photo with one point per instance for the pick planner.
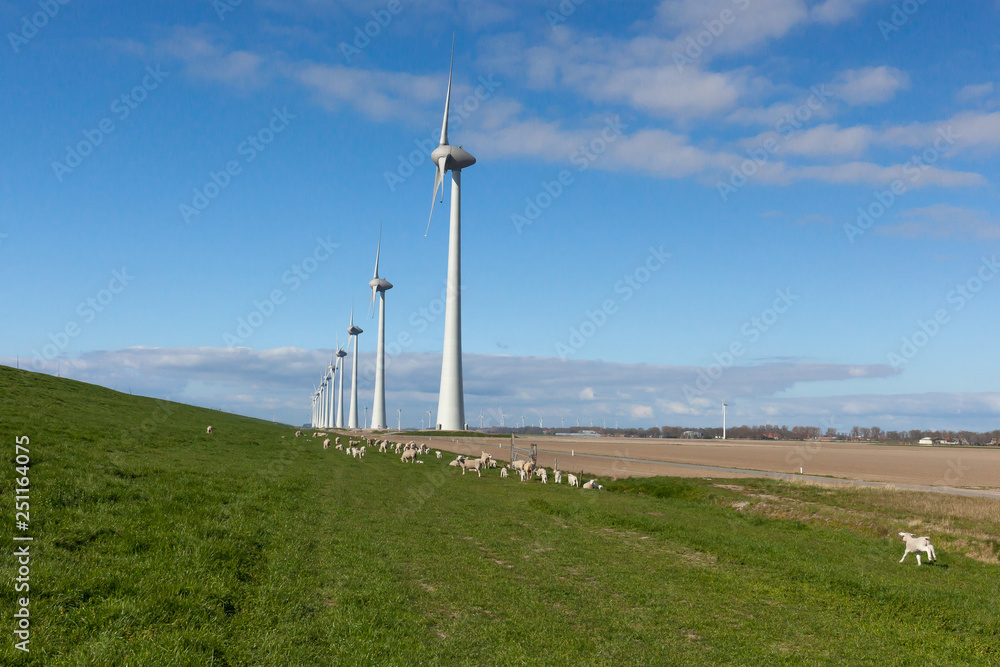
(527, 470)
(409, 452)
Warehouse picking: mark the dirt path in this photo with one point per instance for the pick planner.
(966, 471)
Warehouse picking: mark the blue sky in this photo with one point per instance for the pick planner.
(787, 205)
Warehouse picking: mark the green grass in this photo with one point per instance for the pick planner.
(157, 544)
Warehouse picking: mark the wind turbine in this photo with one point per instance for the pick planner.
(501, 417)
(482, 420)
(399, 419)
(331, 372)
(451, 399)
(723, 420)
(340, 391)
(354, 331)
(379, 287)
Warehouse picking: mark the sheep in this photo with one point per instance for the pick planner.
(361, 452)
(326, 444)
(298, 434)
(438, 452)
(524, 475)
(209, 430)
(503, 472)
(558, 476)
(519, 464)
(336, 440)
(408, 456)
(573, 481)
(545, 476)
(339, 446)
(592, 484)
(915, 545)
(382, 446)
(529, 468)
(472, 464)
(458, 461)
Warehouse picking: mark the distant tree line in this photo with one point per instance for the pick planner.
(776, 432)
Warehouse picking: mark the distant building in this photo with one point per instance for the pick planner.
(693, 435)
(926, 441)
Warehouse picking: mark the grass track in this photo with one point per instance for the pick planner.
(157, 544)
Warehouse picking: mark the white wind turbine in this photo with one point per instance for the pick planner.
(379, 287)
(331, 372)
(451, 399)
(354, 331)
(340, 391)
(724, 405)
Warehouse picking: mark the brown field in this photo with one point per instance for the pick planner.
(961, 467)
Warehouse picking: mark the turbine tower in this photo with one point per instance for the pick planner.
(354, 331)
(340, 391)
(451, 399)
(379, 287)
(723, 420)
(331, 372)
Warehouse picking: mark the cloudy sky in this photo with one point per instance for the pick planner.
(789, 205)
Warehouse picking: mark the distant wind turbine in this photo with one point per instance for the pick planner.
(379, 287)
(340, 391)
(354, 331)
(451, 399)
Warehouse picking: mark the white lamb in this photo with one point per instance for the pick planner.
(438, 453)
(209, 430)
(361, 452)
(915, 545)
(573, 481)
(298, 434)
(503, 472)
(472, 464)
(524, 475)
(339, 446)
(558, 476)
(409, 455)
(544, 475)
(326, 444)
(592, 484)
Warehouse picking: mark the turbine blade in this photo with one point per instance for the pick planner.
(371, 304)
(438, 183)
(447, 99)
(379, 250)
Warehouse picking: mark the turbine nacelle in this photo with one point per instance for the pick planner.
(354, 331)
(380, 284)
(456, 158)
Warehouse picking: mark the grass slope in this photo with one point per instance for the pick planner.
(157, 544)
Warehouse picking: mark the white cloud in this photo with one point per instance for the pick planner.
(975, 92)
(837, 11)
(870, 85)
(945, 221)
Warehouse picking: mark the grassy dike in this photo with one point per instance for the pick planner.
(156, 544)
